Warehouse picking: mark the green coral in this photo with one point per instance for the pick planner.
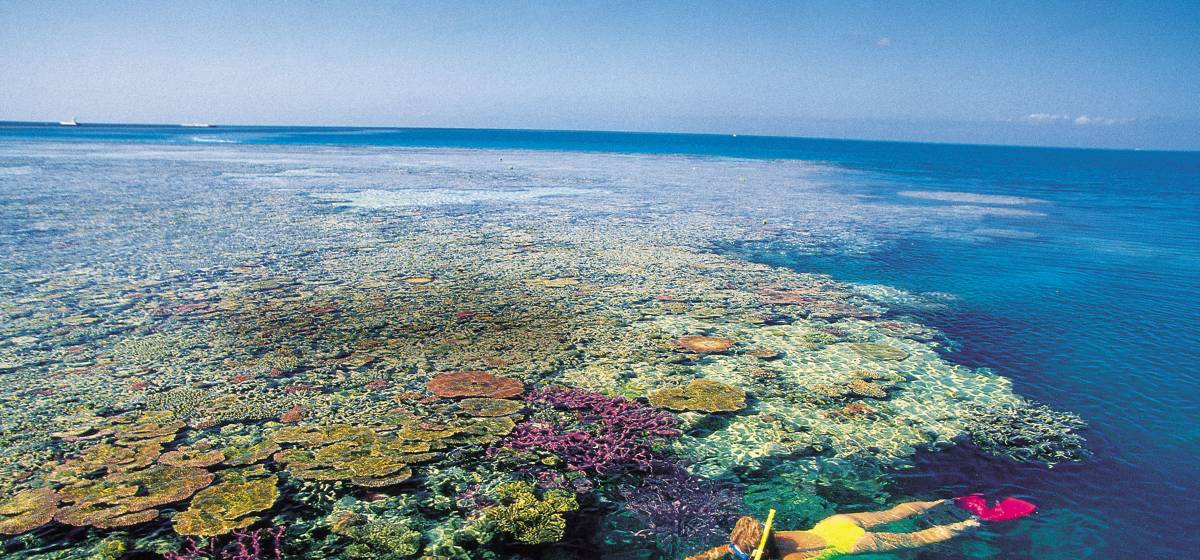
(528, 518)
(384, 538)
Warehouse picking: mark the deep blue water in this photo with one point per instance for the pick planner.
(1092, 307)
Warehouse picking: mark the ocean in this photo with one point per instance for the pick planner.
(1070, 272)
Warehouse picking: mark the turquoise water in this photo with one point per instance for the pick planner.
(1081, 287)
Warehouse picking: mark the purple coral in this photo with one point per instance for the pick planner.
(618, 440)
(678, 511)
(246, 545)
(617, 413)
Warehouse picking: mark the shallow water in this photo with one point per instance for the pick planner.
(244, 261)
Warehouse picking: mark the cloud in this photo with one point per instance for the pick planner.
(1076, 120)
(883, 42)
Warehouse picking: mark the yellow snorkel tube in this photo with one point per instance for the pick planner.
(762, 543)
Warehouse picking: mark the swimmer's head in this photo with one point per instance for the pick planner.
(746, 534)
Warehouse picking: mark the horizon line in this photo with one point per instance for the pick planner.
(57, 124)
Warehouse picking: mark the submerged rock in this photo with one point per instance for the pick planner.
(703, 344)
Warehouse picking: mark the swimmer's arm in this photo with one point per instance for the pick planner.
(884, 542)
(868, 519)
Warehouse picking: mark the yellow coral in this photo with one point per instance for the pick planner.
(226, 507)
(701, 394)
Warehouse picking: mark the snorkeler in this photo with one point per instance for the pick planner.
(844, 534)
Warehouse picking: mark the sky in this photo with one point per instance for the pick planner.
(1095, 74)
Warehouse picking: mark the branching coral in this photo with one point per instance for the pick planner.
(1027, 432)
(679, 511)
(617, 438)
(528, 518)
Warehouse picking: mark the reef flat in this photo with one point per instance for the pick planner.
(386, 353)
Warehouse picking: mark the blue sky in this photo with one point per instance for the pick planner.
(1085, 74)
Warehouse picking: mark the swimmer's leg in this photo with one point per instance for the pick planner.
(868, 519)
(883, 542)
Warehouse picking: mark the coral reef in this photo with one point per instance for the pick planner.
(360, 373)
(702, 395)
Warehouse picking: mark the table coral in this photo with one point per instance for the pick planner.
(702, 395)
(27, 510)
(225, 507)
(474, 384)
(128, 498)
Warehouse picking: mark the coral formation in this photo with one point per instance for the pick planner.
(1028, 432)
(704, 395)
(226, 507)
(27, 510)
(474, 384)
(128, 498)
(703, 344)
(616, 434)
(681, 512)
(531, 519)
(384, 538)
(878, 352)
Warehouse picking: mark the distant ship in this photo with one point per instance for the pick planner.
(71, 122)
(195, 125)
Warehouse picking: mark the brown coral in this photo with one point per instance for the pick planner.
(703, 344)
(701, 394)
(27, 510)
(474, 384)
(863, 388)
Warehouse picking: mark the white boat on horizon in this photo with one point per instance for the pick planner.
(71, 122)
(195, 125)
